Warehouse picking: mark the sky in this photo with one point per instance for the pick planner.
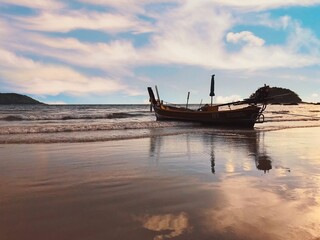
(110, 51)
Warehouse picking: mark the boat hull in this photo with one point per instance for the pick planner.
(238, 118)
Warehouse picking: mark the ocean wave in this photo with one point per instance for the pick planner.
(152, 133)
(12, 118)
(80, 138)
(48, 128)
(93, 133)
(70, 117)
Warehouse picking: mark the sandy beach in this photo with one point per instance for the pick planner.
(225, 185)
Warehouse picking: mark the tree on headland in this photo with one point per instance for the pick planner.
(14, 98)
(279, 95)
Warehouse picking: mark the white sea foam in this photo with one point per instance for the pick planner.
(44, 124)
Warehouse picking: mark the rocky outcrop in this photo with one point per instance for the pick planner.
(14, 98)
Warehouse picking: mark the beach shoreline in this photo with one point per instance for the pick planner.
(238, 184)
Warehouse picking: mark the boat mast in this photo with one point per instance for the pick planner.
(188, 99)
(212, 88)
(157, 93)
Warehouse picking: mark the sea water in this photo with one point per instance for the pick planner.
(165, 180)
(88, 123)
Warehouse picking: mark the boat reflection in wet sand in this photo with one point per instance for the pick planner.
(244, 117)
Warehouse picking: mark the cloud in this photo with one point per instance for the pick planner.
(116, 57)
(181, 36)
(66, 21)
(313, 97)
(3, 31)
(185, 36)
(135, 6)
(253, 5)
(245, 36)
(226, 99)
(280, 23)
(120, 5)
(28, 76)
(56, 103)
(36, 4)
(303, 40)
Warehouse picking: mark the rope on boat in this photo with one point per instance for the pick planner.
(260, 118)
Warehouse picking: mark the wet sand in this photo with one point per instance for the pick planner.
(232, 185)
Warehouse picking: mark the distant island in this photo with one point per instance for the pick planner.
(282, 96)
(14, 98)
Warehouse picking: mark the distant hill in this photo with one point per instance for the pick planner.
(283, 96)
(14, 98)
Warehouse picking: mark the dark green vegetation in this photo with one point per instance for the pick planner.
(14, 98)
(279, 95)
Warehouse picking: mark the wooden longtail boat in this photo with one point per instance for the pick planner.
(244, 117)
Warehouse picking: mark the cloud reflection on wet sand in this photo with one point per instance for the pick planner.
(255, 211)
(167, 225)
